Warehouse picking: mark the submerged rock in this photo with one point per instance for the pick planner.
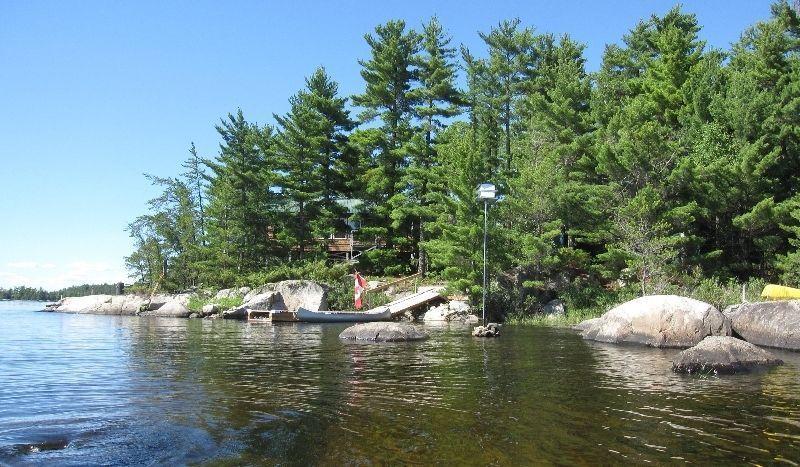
(771, 324)
(658, 321)
(384, 332)
(723, 354)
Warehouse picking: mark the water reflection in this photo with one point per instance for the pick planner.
(92, 389)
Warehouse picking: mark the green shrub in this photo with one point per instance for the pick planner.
(722, 294)
(586, 304)
(317, 271)
(196, 303)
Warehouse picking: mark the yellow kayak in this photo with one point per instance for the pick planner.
(780, 292)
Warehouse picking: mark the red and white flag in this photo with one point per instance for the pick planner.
(360, 289)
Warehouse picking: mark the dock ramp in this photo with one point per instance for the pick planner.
(415, 301)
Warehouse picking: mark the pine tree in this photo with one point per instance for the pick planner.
(762, 109)
(510, 52)
(556, 208)
(438, 100)
(640, 146)
(456, 233)
(241, 207)
(390, 76)
(311, 149)
(298, 147)
(164, 239)
(483, 101)
(195, 179)
(340, 164)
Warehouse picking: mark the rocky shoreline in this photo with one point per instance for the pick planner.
(718, 342)
(164, 305)
(285, 296)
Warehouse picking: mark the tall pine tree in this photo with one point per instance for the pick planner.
(390, 76)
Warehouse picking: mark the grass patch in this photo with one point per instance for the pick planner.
(571, 318)
(197, 303)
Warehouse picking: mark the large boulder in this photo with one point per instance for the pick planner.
(293, 294)
(771, 324)
(284, 295)
(723, 354)
(307, 294)
(384, 332)
(252, 293)
(454, 311)
(659, 321)
(226, 293)
(260, 301)
(169, 306)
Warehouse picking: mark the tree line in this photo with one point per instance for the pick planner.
(674, 161)
(30, 293)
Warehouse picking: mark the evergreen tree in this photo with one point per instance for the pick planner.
(556, 208)
(641, 145)
(390, 76)
(298, 147)
(339, 164)
(511, 51)
(311, 152)
(483, 101)
(762, 109)
(438, 100)
(789, 263)
(456, 233)
(242, 207)
(165, 238)
(195, 179)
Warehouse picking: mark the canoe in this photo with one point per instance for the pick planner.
(780, 292)
(376, 314)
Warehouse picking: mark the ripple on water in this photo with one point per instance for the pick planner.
(108, 390)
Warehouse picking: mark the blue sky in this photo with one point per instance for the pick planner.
(95, 93)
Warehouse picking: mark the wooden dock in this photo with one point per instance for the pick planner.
(416, 301)
(274, 316)
(398, 307)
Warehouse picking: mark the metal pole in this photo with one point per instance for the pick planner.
(485, 230)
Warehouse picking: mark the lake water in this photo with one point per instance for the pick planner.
(88, 390)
